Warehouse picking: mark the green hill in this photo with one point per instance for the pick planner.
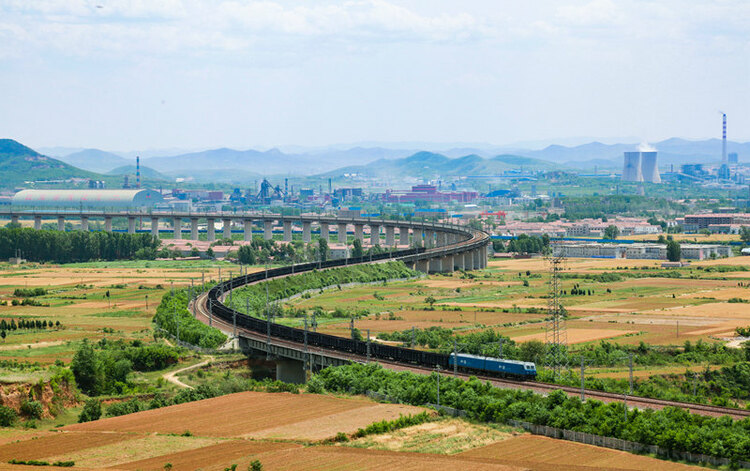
(431, 165)
(20, 164)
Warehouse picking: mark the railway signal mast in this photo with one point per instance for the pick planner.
(556, 335)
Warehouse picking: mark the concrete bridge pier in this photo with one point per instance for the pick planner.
(436, 265)
(37, 222)
(290, 371)
(14, 219)
(403, 235)
(287, 231)
(248, 229)
(342, 233)
(155, 227)
(211, 229)
(324, 229)
(374, 234)
(227, 229)
(390, 236)
(84, 223)
(131, 225)
(193, 228)
(61, 223)
(359, 232)
(107, 224)
(447, 264)
(267, 229)
(306, 232)
(177, 227)
(423, 266)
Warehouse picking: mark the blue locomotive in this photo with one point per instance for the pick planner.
(502, 367)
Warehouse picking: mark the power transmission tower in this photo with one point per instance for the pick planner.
(556, 335)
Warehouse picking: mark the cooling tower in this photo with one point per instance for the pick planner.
(649, 168)
(631, 171)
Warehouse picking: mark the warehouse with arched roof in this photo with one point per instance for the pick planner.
(86, 199)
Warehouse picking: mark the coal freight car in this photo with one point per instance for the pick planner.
(498, 366)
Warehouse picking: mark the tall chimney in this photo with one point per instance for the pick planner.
(724, 139)
(138, 172)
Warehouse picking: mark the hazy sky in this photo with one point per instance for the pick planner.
(141, 74)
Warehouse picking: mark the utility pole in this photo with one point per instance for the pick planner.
(437, 368)
(268, 331)
(583, 380)
(630, 361)
(351, 327)
(455, 359)
(314, 322)
(307, 355)
(413, 337)
(500, 347)
(368, 345)
(210, 315)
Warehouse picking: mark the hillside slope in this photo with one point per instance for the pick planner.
(19, 164)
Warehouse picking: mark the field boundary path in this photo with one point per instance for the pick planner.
(172, 376)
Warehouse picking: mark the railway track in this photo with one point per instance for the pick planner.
(544, 388)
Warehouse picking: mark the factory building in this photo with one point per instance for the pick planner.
(639, 251)
(86, 199)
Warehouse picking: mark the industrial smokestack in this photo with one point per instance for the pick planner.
(138, 172)
(631, 171)
(724, 139)
(649, 167)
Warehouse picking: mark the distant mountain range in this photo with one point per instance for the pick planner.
(226, 165)
(146, 172)
(95, 160)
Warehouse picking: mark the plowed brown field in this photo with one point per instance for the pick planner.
(59, 443)
(533, 451)
(283, 456)
(280, 415)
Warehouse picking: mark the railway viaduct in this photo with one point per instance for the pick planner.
(448, 246)
(443, 248)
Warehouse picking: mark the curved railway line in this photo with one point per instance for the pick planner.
(210, 308)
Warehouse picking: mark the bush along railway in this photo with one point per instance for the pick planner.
(502, 373)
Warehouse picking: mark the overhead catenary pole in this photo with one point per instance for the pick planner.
(368, 345)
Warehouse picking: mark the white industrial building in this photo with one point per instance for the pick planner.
(86, 199)
(640, 251)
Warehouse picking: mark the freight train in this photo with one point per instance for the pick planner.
(346, 345)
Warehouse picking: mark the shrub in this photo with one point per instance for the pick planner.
(32, 409)
(92, 410)
(8, 416)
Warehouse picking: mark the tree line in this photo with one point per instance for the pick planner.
(67, 247)
(669, 428)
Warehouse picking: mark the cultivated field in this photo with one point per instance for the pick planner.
(256, 415)
(537, 452)
(76, 297)
(640, 301)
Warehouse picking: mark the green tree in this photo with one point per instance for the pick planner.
(323, 249)
(430, 300)
(87, 369)
(532, 350)
(92, 410)
(210, 252)
(611, 232)
(357, 250)
(745, 235)
(673, 251)
(255, 465)
(7, 416)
